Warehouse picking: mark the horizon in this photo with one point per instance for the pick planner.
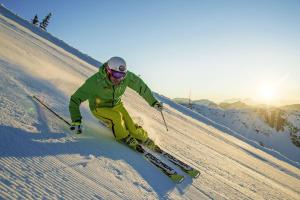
(218, 50)
(248, 102)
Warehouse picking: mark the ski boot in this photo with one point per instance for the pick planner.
(133, 143)
(151, 145)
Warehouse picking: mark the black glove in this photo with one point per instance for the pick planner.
(158, 106)
(76, 127)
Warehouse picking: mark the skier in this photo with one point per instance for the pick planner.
(104, 90)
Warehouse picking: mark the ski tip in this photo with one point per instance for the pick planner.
(193, 173)
(177, 178)
(197, 175)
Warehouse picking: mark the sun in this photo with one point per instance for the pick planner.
(268, 93)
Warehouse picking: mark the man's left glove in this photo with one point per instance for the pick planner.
(76, 127)
(158, 106)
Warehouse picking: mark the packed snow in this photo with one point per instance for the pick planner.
(41, 159)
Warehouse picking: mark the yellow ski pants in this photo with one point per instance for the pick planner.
(119, 120)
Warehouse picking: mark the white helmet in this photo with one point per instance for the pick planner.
(117, 64)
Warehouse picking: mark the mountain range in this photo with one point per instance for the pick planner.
(273, 127)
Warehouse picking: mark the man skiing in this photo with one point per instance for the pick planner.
(104, 90)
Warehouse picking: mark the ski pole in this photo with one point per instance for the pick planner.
(59, 117)
(164, 120)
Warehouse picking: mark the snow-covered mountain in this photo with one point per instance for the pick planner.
(187, 102)
(41, 159)
(273, 128)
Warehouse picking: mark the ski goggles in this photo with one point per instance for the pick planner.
(116, 74)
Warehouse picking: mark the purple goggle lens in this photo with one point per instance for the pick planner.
(117, 75)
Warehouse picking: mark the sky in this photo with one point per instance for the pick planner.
(213, 49)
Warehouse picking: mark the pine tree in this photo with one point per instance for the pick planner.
(45, 22)
(35, 20)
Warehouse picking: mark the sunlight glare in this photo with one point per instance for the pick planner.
(268, 93)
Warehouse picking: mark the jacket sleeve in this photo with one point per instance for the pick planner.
(81, 95)
(137, 84)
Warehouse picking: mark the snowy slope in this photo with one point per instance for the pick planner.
(40, 158)
(49, 37)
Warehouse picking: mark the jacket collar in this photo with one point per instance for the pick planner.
(103, 75)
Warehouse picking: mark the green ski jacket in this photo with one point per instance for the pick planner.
(100, 92)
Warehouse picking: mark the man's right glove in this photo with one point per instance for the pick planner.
(158, 106)
(76, 127)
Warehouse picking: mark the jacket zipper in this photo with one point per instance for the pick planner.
(113, 102)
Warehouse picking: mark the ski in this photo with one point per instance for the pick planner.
(194, 173)
(163, 167)
(183, 166)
